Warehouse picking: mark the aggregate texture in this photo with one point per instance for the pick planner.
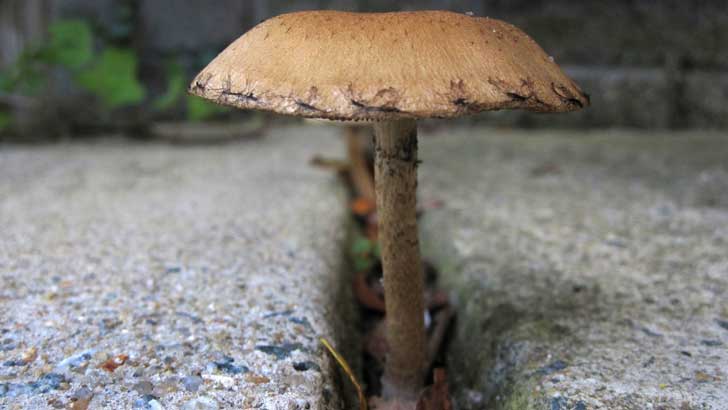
(590, 268)
(147, 276)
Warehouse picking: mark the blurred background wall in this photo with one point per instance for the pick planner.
(646, 63)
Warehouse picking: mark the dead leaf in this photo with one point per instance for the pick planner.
(378, 403)
(367, 296)
(436, 299)
(360, 172)
(437, 396)
(363, 206)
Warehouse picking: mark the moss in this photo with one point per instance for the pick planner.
(542, 330)
(519, 398)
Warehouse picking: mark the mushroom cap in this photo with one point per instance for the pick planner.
(379, 66)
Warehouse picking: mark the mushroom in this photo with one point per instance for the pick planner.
(391, 69)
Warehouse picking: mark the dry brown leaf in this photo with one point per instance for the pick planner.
(378, 403)
(367, 296)
(437, 396)
(363, 206)
(437, 299)
(360, 173)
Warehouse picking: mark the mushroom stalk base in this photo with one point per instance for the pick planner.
(396, 190)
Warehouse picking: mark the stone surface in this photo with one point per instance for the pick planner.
(704, 102)
(146, 276)
(197, 25)
(107, 14)
(591, 269)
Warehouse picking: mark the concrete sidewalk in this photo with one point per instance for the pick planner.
(147, 276)
(591, 269)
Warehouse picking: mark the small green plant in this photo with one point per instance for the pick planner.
(71, 44)
(108, 72)
(176, 84)
(112, 78)
(198, 109)
(5, 120)
(364, 253)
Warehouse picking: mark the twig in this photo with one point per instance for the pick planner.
(359, 172)
(330, 163)
(440, 323)
(345, 366)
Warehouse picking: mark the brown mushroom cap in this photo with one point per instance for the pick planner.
(377, 66)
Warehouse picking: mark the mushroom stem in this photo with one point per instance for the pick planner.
(396, 189)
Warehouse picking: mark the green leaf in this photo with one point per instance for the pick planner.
(175, 87)
(199, 109)
(113, 78)
(5, 83)
(31, 81)
(70, 43)
(25, 76)
(5, 120)
(362, 264)
(362, 246)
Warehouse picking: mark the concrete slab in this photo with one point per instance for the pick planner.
(154, 277)
(591, 269)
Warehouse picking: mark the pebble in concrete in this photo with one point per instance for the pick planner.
(591, 269)
(153, 277)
